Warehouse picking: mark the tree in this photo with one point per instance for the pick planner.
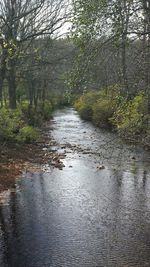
(118, 27)
(21, 22)
(89, 23)
(146, 42)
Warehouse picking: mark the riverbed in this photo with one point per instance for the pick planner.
(94, 212)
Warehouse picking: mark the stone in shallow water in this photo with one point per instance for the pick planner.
(44, 149)
(101, 167)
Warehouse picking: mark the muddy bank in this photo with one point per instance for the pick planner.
(36, 157)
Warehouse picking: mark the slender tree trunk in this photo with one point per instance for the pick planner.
(148, 59)
(2, 77)
(148, 74)
(125, 22)
(146, 9)
(2, 71)
(1, 89)
(124, 65)
(44, 93)
(31, 91)
(12, 84)
(122, 17)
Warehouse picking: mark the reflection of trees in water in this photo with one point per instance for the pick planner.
(117, 174)
(112, 150)
(6, 238)
(139, 177)
(144, 178)
(8, 224)
(42, 187)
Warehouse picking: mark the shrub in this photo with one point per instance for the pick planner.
(130, 116)
(109, 107)
(99, 106)
(45, 110)
(84, 105)
(13, 127)
(35, 116)
(103, 110)
(28, 134)
(10, 123)
(30, 114)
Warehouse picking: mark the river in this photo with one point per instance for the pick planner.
(95, 212)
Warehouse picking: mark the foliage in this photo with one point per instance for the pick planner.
(84, 105)
(35, 116)
(102, 111)
(98, 105)
(28, 134)
(130, 116)
(10, 124)
(45, 110)
(109, 108)
(87, 16)
(13, 126)
(30, 115)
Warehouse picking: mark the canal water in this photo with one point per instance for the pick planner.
(93, 213)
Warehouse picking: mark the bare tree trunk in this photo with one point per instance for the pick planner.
(12, 85)
(146, 9)
(125, 25)
(148, 57)
(124, 65)
(2, 70)
(44, 92)
(122, 17)
(1, 88)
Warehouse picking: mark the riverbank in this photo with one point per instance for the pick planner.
(108, 109)
(81, 215)
(17, 158)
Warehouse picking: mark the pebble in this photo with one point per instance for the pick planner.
(102, 167)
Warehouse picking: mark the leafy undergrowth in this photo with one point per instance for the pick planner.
(14, 159)
(109, 108)
(29, 157)
(21, 125)
(23, 135)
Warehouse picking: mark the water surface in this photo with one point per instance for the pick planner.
(81, 216)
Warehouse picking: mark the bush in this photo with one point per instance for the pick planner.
(84, 105)
(45, 110)
(99, 106)
(28, 134)
(35, 116)
(130, 117)
(30, 114)
(10, 124)
(14, 128)
(103, 110)
(109, 108)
